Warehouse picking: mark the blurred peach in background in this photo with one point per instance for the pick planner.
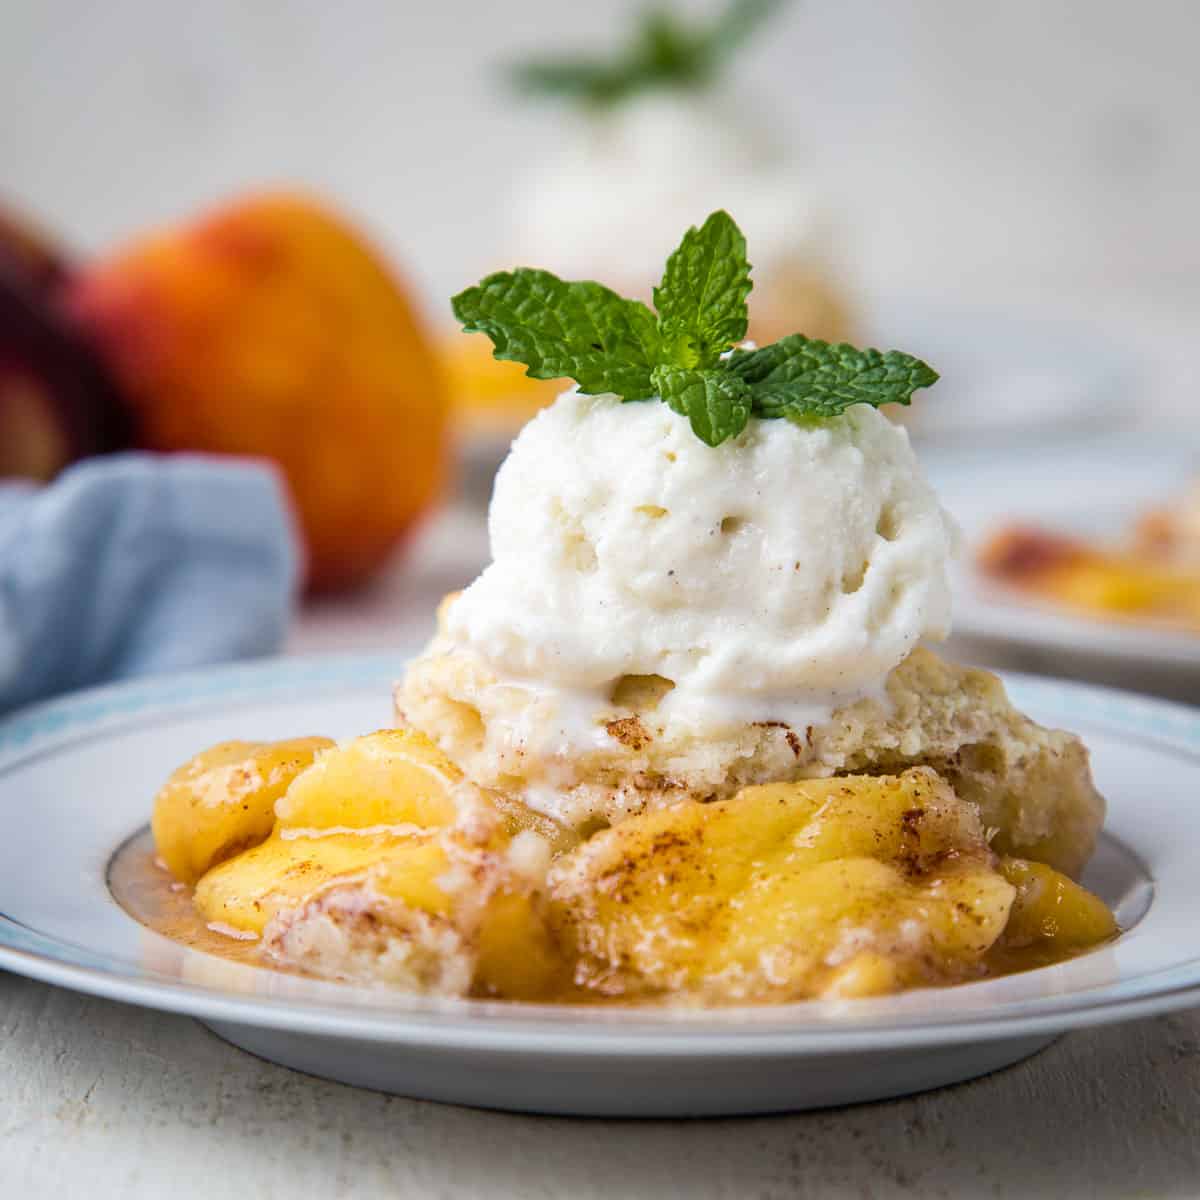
(270, 328)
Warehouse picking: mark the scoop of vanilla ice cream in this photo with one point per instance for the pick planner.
(772, 578)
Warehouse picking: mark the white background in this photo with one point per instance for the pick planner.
(965, 147)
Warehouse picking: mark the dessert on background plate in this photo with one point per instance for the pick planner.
(653, 135)
(1152, 578)
(1170, 534)
(680, 742)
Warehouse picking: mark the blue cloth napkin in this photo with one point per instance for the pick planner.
(137, 563)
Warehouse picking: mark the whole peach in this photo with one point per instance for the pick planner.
(270, 328)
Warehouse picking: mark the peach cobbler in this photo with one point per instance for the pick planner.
(1152, 577)
(679, 742)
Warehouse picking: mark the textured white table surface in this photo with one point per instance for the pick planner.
(101, 1100)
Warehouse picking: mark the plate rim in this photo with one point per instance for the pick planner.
(991, 615)
(51, 726)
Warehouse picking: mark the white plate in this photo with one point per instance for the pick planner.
(1096, 487)
(77, 776)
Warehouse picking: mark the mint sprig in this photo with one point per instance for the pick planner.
(664, 52)
(606, 343)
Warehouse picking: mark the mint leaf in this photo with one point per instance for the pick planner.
(663, 52)
(586, 332)
(801, 377)
(715, 402)
(582, 331)
(701, 301)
